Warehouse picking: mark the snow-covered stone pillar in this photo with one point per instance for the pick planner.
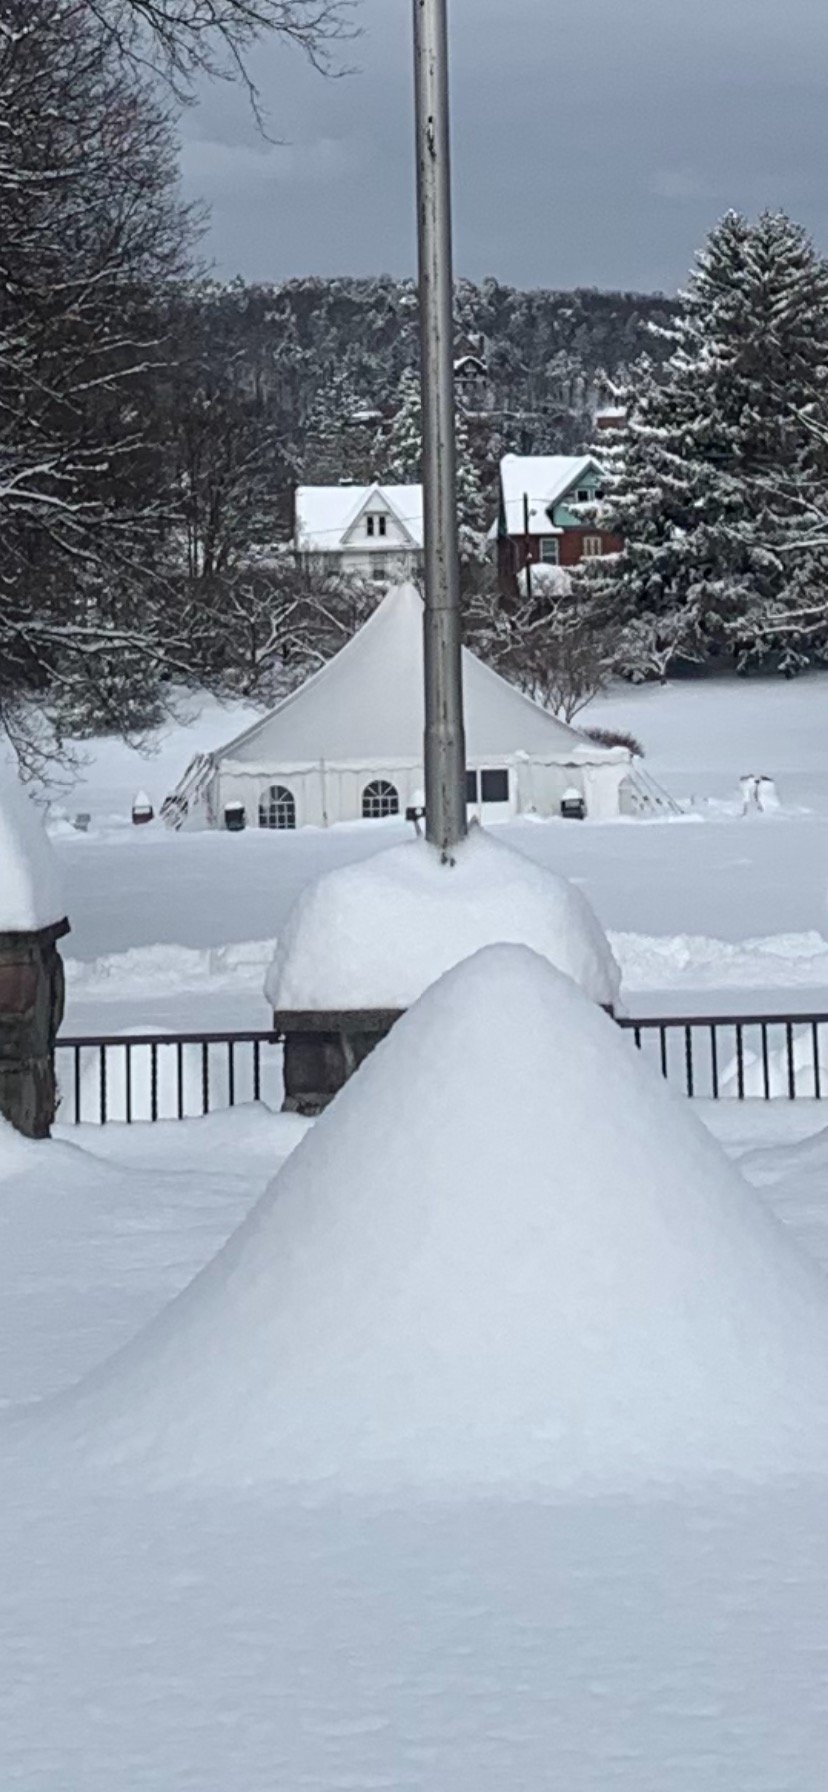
(363, 943)
(32, 920)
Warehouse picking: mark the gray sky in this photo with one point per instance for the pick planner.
(595, 143)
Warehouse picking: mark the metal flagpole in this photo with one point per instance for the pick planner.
(445, 746)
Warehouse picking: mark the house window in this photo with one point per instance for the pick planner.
(277, 808)
(583, 495)
(380, 799)
(471, 787)
(379, 569)
(376, 524)
(494, 786)
(593, 547)
(549, 550)
(369, 525)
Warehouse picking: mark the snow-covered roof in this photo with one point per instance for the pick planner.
(544, 479)
(30, 888)
(366, 706)
(325, 514)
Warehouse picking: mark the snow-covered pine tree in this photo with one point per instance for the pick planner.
(471, 508)
(340, 446)
(403, 447)
(721, 455)
(403, 453)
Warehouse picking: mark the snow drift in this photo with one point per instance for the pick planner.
(375, 934)
(30, 887)
(505, 1256)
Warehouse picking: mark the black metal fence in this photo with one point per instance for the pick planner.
(163, 1076)
(739, 1057)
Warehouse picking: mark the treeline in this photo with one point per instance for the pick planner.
(153, 423)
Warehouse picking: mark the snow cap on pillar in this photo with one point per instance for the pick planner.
(375, 934)
(31, 896)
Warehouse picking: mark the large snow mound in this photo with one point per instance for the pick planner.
(504, 1256)
(30, 888)
(375, 934)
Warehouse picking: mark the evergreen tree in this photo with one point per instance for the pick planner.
(471, 508)
(722, 458)
(403, 453)
(403, 449)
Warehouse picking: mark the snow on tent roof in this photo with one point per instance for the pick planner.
(544, 479)
(367, 706)
(30, 888)
(376, 934)
(506, 1256)
(325, 513)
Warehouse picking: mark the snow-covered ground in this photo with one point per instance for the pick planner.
(703, 912)
(197, 1638)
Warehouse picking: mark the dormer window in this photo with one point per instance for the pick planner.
(376, 524)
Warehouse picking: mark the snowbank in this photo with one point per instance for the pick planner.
(30, 888)
(377, 933)
(504, 1256)
(145, 969)
(17, 1154)
(694, 961)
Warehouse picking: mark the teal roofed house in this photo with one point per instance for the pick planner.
(541, 522)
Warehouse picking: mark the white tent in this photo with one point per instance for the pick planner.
(348, 745)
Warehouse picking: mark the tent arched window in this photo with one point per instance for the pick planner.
(277, 808)
(380, 799)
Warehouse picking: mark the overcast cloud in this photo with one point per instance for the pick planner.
(595, 143)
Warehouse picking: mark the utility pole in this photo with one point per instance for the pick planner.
(527, 545)
(445, 744)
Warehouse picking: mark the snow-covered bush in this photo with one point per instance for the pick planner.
(615, 737)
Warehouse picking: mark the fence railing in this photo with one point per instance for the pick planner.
(162, 1076)
(737, 1057)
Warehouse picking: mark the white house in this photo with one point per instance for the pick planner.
(348, 745)
(369, 531)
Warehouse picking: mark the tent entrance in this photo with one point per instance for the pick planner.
(489, 792)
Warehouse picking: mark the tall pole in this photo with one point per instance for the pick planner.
(445, 745)
(527, 545)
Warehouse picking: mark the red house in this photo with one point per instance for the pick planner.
(542, 520)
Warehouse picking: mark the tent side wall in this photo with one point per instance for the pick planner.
(320, 795)
(543, 783)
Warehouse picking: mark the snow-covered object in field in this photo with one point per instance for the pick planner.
(504, 1256)
(348, 745)
(30, 887)
(544, 578)
(377, 933)
(767, 795)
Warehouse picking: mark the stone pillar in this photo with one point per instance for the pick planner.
(324, 1048)
(31, 1011)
